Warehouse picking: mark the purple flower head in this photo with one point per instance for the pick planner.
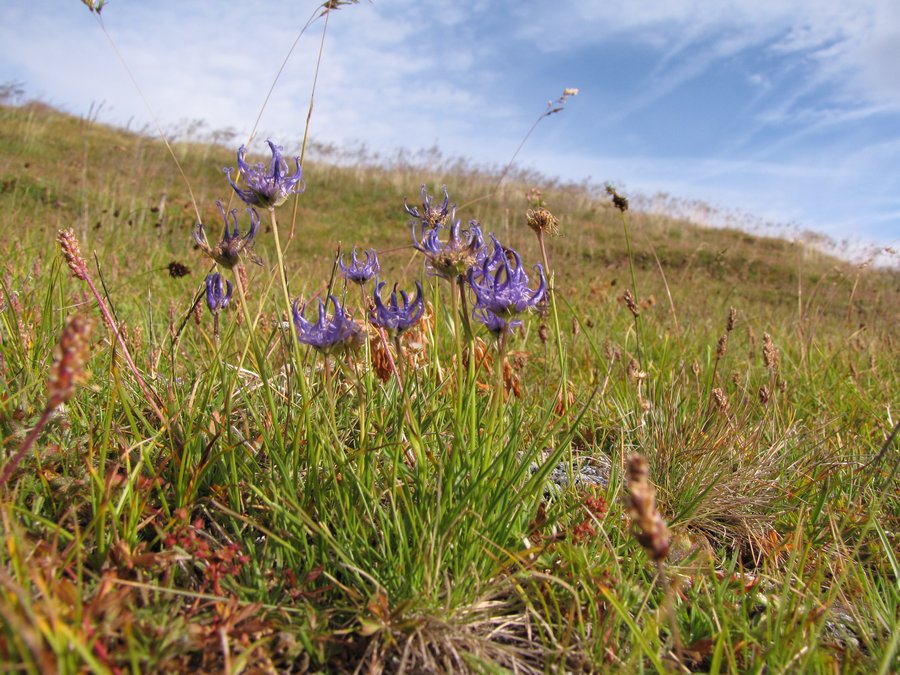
(360, 272)
(228, 251)
(501, 285)
(397, 317)
(217, 293)
(431, 216)
(329, 334)
(266, 188)
(463, 250)
(496, 324)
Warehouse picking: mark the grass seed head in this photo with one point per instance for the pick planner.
(619, 201)
(732, 319)
(722, 346)
(69, 360)
(630, 303)
(770, 353)
(647, 524)
(177, 269)
(720, 399)
(68, 242)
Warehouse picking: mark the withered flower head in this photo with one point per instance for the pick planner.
(431, 216)
(228, 251)
(542, 221)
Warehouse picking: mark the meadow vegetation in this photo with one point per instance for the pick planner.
(443, 500)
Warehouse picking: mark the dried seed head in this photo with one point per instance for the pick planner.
(770, 353)
(543, 333)
(613, 353)
(722, 346)
(381, 362)
(69, 244)
(628, 299)
(242, 274)
(737, 379)
(137, 338)
(647, 524)
(764, 395)
(695, 368)
(732, 319)
(177, 269)
(635, 372)
(542, 221)
(69, 359)
(618, 200)
(511, 380)
(565, 403)
(720, 399)
(198, 312)
(576, 327)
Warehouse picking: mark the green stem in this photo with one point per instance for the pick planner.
(637, 325)
(551, 292)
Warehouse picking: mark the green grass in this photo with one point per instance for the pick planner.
(280, 519)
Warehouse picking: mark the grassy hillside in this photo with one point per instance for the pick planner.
(242, 502)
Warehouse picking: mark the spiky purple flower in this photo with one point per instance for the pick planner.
(463, 249)
(266, 188)
(217, 293)
(397, 316)
(329, 334)
(357, 271)
(501, 285)
(228, 251)
(431, 216)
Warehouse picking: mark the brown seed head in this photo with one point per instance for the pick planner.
(720, 399)
(770, 352)
(618, 200)
(613, 353)
(543, 333)
(732, 319)
(635, 372)
(69, 359)
(177, 269)
(69, 245)
(722, 346)
(628, 299)
(542, 221)
(764, 395)
(647, 524)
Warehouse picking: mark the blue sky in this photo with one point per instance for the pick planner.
(773, 111)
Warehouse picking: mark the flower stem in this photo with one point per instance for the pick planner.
(637, 325)
(11, 465)
(287, 306)
(551, 292)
